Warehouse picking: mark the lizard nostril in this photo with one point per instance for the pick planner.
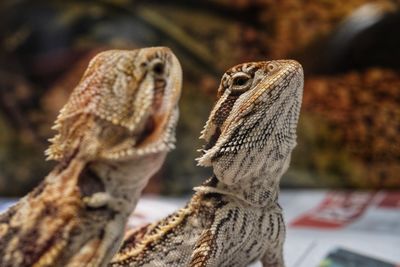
(158, 68)
(271, 66)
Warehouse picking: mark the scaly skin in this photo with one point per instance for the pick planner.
(113, 135)
(234, 218)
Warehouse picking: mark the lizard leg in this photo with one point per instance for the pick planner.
(203, 250)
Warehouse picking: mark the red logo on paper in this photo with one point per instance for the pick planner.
(337, 210)
(390, 200)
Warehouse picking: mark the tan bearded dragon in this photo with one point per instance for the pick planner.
(233, 219)
(113, 135)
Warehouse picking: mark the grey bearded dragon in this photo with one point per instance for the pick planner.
(233, 219)
(113, 134)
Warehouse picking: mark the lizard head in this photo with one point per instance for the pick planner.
(253, 122)
(124, 106)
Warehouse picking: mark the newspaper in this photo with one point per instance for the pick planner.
(324, 228)
(342, 229)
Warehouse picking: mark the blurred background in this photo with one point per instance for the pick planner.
(349, 133)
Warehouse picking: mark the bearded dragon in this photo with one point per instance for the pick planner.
(233, 219)
(113, 135)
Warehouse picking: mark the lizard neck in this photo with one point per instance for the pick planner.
(121, 181)
(110, 191)
(259, 186)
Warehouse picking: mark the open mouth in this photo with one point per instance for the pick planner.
(150, 125)
(213, 139)
(148, 129)
(159, 90)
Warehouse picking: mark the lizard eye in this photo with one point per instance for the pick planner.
(240, 82)
(158, 67)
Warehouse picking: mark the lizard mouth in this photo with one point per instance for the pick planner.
(148, 129)
(151, 122)
(213, 140)
(159, 90)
